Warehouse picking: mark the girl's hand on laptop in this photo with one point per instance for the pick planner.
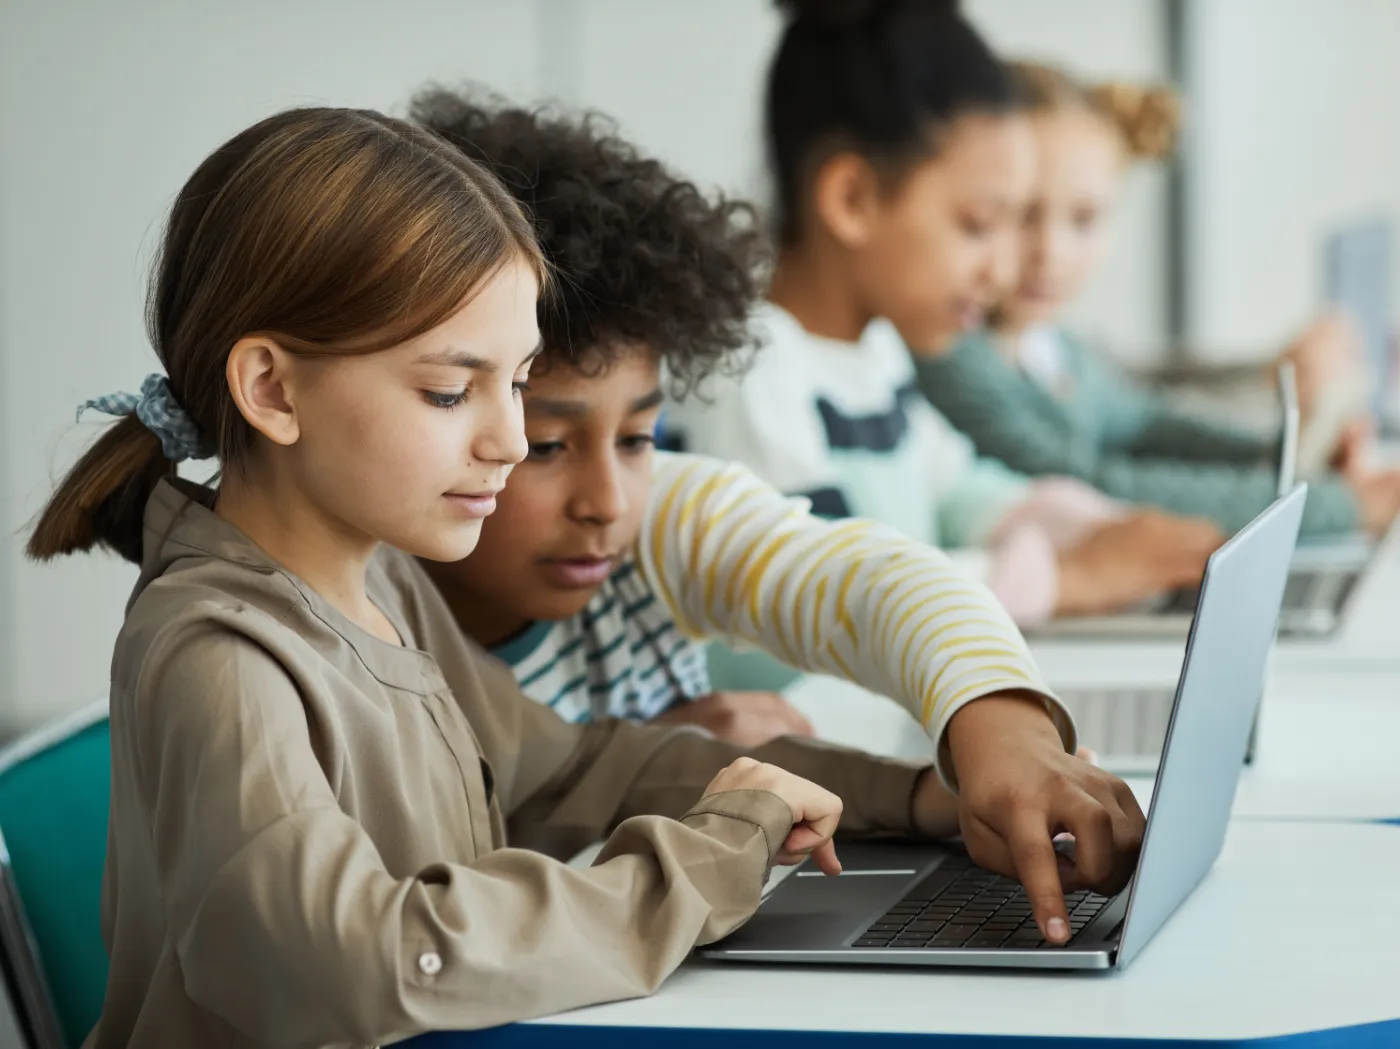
(1378, 499)
(1355, 444)
(815, 810)
(748, 719)
(1324, 353)
(1018, 790)
(1133, 558)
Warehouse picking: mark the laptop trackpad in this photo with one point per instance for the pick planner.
(810, 911)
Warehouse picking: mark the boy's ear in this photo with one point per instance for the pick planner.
(259, 378)
(846, 198)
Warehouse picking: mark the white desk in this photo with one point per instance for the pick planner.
(1250, 956)
(1370, 635)
(1327, 749)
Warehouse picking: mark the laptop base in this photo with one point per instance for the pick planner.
(811, 919)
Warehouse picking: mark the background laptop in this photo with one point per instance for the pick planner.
(1324, 579)
(925, 905)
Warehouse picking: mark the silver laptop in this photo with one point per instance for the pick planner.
(1320, 587)
(925, 905)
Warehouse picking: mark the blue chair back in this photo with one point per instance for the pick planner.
(55, 786)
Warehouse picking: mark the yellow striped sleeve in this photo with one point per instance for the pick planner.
(732, 558)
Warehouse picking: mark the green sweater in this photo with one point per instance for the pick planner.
(1126, 441)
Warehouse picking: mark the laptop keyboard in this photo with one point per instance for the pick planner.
(1327, 591)
(1305, 591)
(961, 905)
(1126, 722)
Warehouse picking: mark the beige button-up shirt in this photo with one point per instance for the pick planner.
(309, 826)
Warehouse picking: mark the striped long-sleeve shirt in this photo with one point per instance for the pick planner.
(721, 555)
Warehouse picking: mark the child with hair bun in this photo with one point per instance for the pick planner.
(1037, 397)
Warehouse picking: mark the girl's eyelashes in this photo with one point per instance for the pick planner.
(637, 442)
(542, 451)
(447, 401)
(440, 399)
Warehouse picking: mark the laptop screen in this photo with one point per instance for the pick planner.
(1222, 676)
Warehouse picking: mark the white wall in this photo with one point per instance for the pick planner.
(104, 110)
(684, 79)
(1294, 132)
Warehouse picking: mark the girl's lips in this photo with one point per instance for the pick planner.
(473, 504)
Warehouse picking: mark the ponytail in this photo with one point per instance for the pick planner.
(1147, 119)
(102, 500)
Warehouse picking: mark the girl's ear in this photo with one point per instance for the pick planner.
(259, 374)
(846, 198)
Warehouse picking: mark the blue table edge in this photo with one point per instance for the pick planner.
(1383, 1034)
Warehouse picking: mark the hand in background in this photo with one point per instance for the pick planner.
(1327, 351)
(748, 719)
(1378, 499)
(1128, 560)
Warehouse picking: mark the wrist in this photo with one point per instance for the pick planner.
(994, 717)
(933, 808)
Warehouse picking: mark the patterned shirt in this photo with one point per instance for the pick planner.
(622, 656)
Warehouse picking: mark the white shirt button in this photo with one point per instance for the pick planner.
(430, 963)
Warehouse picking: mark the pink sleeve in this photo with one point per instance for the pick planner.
(1024, 574)
(1064, 509)
(1024, 571)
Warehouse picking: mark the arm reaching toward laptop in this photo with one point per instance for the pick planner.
(1017, 793)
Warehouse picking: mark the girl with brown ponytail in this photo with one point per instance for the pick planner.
(313, 773)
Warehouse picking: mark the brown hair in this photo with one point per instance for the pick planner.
(1147, 118)
(328, 230)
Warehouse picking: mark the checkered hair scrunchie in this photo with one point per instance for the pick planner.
(160, 413)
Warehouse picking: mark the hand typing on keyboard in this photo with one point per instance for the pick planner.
(1018, 790)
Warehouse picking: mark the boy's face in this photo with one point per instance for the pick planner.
(573, 508)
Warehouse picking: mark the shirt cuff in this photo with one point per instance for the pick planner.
(760, 808)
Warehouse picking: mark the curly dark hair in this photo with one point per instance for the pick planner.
(641, 256)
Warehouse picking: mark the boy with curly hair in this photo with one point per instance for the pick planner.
(607, 561)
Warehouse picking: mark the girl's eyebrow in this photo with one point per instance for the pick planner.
(454, 358)
(458, 359)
